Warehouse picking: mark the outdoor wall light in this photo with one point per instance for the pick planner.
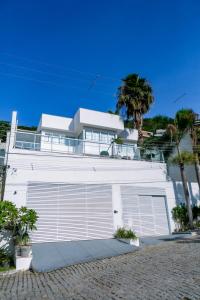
(115, 211)
(15, 192)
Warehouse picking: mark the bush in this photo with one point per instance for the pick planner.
(8, 215)
(20, 221)
(123, 233)
(104, 153)
(180, 216)
(4, 258)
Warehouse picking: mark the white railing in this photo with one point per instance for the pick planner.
(38, 142)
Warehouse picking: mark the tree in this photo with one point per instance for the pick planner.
(186, 120)
(181, 159)
(135, 97)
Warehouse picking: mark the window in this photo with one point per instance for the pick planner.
(104, 137)
(111, 137)
(88, 134)
(95, 136)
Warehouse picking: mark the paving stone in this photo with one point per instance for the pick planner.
(165, 271)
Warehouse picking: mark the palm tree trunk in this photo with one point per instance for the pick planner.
(138, 125)
(186, 193)
(196, 156)
(197, 169)
(185, 188)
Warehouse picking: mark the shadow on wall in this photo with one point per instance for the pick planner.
(179, 194)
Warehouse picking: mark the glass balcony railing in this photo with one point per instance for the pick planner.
(38, 142)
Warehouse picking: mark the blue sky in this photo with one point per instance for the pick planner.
(56, 56)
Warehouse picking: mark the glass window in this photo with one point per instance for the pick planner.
(95, 136)
(88, 134)
(104, 137)
(111, 137)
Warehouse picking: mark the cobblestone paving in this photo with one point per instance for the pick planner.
(167, 271)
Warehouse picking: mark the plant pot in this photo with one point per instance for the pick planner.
(133, 242)
(17, 251)
(25, 251)
(5, 264)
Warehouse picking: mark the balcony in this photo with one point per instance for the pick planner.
(37, 142)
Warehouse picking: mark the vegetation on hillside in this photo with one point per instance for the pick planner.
(5, 126)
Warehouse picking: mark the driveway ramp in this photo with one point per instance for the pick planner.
(55, 255)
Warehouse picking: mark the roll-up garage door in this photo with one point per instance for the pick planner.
(145, 214)
(71, 211)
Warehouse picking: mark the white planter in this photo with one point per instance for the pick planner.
(132, 242)
(135, 242)
(23, 263)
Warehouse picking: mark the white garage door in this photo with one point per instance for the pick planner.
(71, 211)
(145, 214)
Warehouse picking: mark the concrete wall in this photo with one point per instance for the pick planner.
(26, 166)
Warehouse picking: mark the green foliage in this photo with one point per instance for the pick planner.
(104, 153)
(135, 97)
(19, 220)
(8, 215)
(4, 258)
(185, 119)
(157, 122)
(180, 216)
(118, 141)
(185, 157)
(123, 233)
(5, 127)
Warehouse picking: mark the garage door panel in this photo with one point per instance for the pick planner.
(71, 211)
(145, 214)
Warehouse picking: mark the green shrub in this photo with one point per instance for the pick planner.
(4, 258)
(8, 215)
(123, 233)
(180, 216)
(19, 220)
(104, 153)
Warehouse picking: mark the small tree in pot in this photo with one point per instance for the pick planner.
(26, 222)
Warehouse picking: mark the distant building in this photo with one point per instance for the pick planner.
(160, 132)
(147, 134)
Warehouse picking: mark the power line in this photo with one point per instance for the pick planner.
(48, 82)
(57, 66)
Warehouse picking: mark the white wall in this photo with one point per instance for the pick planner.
(28, 166)
(100, 119)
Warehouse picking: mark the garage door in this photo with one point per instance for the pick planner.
(71, 211)
(145, 214)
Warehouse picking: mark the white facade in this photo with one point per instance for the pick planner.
(87, 197)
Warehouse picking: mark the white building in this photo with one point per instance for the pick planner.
(82, 184)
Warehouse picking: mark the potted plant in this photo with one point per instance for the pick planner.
(127, 236)
(23, 245)
(8, 221)
(26, 223)
(5, 260)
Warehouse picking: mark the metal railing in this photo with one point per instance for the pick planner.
(38, 142)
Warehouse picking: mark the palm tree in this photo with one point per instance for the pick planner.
(135, 97)
(185, 120)
(181, 159)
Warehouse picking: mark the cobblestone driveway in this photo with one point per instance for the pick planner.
(167, 271)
